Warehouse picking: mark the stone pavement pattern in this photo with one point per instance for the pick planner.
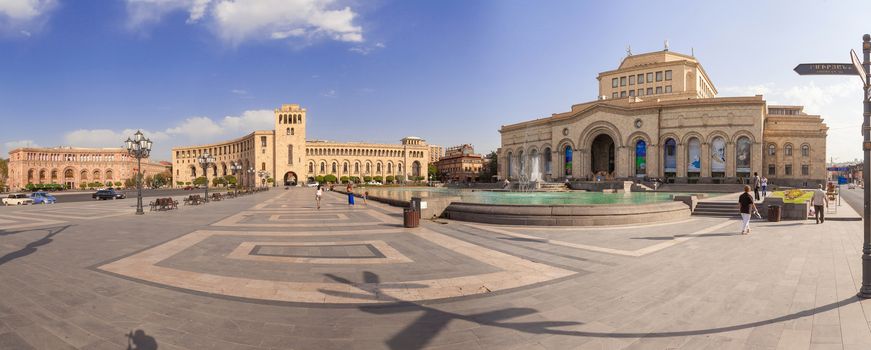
(270, 271)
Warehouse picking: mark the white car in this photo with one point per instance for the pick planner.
(17, 199)
(374, 183)
(312, 184)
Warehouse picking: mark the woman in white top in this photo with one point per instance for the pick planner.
(318, 195)
(764, 186)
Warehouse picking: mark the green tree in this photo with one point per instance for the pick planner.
(179, 183)
(30, 187)
(230, 179)
(344, 179)
(400, 178)
(391, 178)
(355, 179)
(201, 181)
(330, 178)
(378, 178)
(270, 180)
(109, 183)
(490, 169)
(432, 171)
(118, 183)
(4, 173)
(319, 179)
(188, 183)
(160, 180)
(367, 178)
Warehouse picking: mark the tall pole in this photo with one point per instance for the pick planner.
(139, 210)
(865, 291)
(206, 175)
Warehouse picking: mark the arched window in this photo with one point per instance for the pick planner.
(334, 168)
(718, 157)
(805, 151)
(389, 168)
(109, 175)
(640, 158)
(742, 156)
(534, 165)
(356, 168)
(787, 150)
(368, 168)
(670, 151)
(378, 168)
(548, 161)
(567, 159)
(694, 151)
(415, 169)
(323, 167)
(263, 166)
(311, 167)
(521, 164)
(510, 165)
(345, 168)
(289, 154)
(291, 131)
(772, 149)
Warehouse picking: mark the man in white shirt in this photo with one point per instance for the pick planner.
(820, 202)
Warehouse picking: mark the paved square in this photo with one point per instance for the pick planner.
(270, 271)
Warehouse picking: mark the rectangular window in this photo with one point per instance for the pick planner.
(668, 89)
(668, 75)
(805, 170)
(614, 82)
(262, 141)
(631, 93)
(631, 80)
(649, 77)
(658, 90)
(640, 92)
(614, 95)
(649, 91)
(622, 81)
(622, 93)
(659, 76)
(788, 170)
(641, 78)
(771, 169)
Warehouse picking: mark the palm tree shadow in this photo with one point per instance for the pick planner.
(426, 327)
(31, 247)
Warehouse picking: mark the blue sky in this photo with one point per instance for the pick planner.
(90, 72)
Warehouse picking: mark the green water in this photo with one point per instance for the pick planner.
(539, 198)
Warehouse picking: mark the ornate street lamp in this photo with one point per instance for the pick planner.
(206, 160)
(237, 169)
(263, 174)
(139, 147)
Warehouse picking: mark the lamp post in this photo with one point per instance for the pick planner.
(263, 174)
(206, 160)
(251, 177)
(865, 290)
(237, 169)
(139, 147)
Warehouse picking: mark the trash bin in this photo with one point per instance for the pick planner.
(411, 217)
(774, 213)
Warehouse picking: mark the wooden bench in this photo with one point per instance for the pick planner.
(217, 197)
(164, 204)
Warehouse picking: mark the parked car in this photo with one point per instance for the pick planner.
(17, 199)
(107, 194)
(851, 186)
(188, 188)
(374, 183)
(312, 184)
(42, 198)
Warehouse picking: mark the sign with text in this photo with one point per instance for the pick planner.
(857, 64)
(826, 69)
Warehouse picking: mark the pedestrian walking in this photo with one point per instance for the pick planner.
(350, 191)
(820, 203)
(764, 187)
(756, 183)
(746, 206)
(365, 197)
(318, 195)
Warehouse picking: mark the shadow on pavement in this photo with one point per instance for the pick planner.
(426, 327)
(138, 340)
(31, 247)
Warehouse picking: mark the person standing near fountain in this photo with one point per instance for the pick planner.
(756, 183)
(318, 195)
(350, 190)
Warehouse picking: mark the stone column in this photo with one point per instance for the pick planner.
(581, 165)
(706, 160)
(680, 154)
(621, 165)
(730, 159)
(653, 167)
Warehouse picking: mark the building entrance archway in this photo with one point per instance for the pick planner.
(602, 155)
(290, 179)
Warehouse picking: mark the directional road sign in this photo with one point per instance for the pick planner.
(857, 63)
(825, 69)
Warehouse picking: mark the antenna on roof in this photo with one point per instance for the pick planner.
(628, 50)
(693, 51)
(666, 45)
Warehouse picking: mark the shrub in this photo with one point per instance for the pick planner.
(355, 179)
(109, 183)
(400, 178)
(319, 179)
(378, 178)
(344, 179)
(179, 183)
(270, 180)
(188, 183)
(367, 178)
(201, 181)
(118, 183)
(330, 178)
(391, 178)
(83, 185)
(230, 179)
(30, 187)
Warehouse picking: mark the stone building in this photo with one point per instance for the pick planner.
(658, 116)
(287, 156)
(435, 153)
(74, 166)
(460, 164)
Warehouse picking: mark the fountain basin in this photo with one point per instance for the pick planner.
(567, 215)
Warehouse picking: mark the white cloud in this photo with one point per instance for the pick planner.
(190, 131)
(8, 146)
(329, 93)
(365, 50)
(24, 16)
(236, 21)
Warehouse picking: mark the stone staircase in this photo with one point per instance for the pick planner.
(552, 187)
(716, 209)
(701, 188)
